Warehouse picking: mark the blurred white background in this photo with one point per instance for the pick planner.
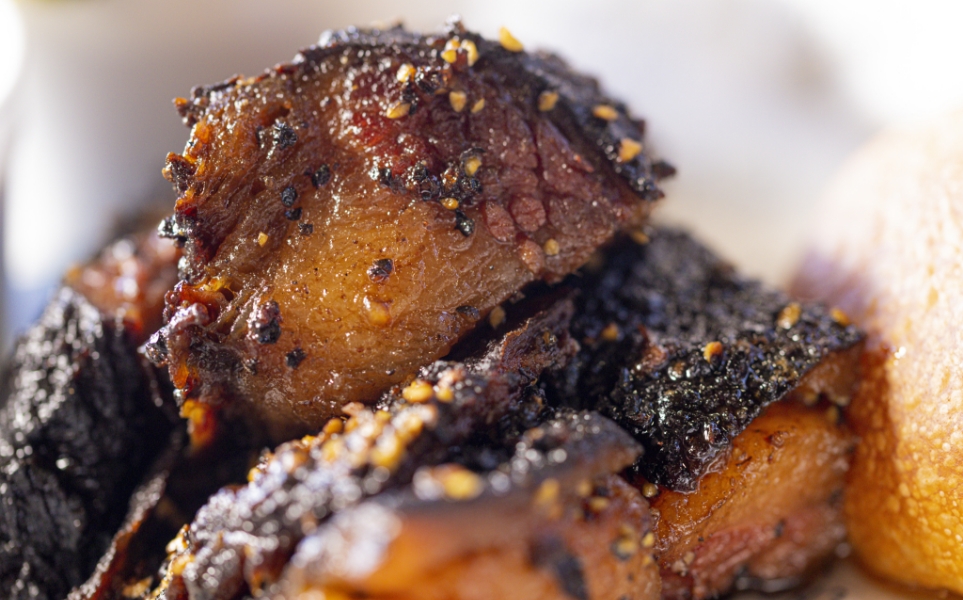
(756, 102)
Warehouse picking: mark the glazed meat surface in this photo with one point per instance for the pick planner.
(82, 418)
(348, 217)
(768, 515)
(684, 353)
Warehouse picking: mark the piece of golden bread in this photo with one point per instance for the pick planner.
(889, 251)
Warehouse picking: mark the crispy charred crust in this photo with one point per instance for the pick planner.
(535, 494)
(684, 353)
(527, 75)
(521, 75)
(81, 421)
(452, 410)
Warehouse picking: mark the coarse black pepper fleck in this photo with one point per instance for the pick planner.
(321, 176)
(284, 136)
(265, 324)
(464, 224)
(305, 228)
(295, 357)
(289, 196)
(381, 269)
(469, 311)
(293, 214)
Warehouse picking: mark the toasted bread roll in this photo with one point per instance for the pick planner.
(889, 251)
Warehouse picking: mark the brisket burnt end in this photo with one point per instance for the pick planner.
(684, 353)
(79, 422)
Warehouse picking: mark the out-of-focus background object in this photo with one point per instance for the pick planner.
(755, 101)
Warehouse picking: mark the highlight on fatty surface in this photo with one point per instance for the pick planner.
(350, 216)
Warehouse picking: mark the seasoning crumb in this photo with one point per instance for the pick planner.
(450, 52)
(626, 545)
(471, 52)
(262, 238)
(449, 203)
(458, 100)
(789, 315)
(418, 391)
(405, 72)
(712, 350)
(398, 110)
(295, 357)
(478, 106)
(547, 100)
(839, 317)
(605, 112)
(381, 270)
(639, 237)
(629, 149)
(650, 490)
(551, 248)
(508, 41)
(611, 332)
(471, 165)
(378, 313)
(496, 317)
(461, 484)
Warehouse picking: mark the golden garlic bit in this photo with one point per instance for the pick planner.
(508, 41)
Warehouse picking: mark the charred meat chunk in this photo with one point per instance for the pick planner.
(553, 521)
(349, 206)
(82, 418)
(470, 412)
(684, 353)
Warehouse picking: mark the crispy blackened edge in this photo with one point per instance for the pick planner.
(80, 422)
(684, 353)
(525, 74)
(472, 404)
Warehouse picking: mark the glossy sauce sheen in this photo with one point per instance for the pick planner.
(343, 227)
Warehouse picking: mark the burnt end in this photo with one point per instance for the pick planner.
(321, 177)
(478, 422)
(78, 429)
(684, 354)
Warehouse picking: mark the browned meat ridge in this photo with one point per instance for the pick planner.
(348, 217)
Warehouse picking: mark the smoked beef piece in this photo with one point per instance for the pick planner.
(347, 218)
(82, 418)
(684, 353)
